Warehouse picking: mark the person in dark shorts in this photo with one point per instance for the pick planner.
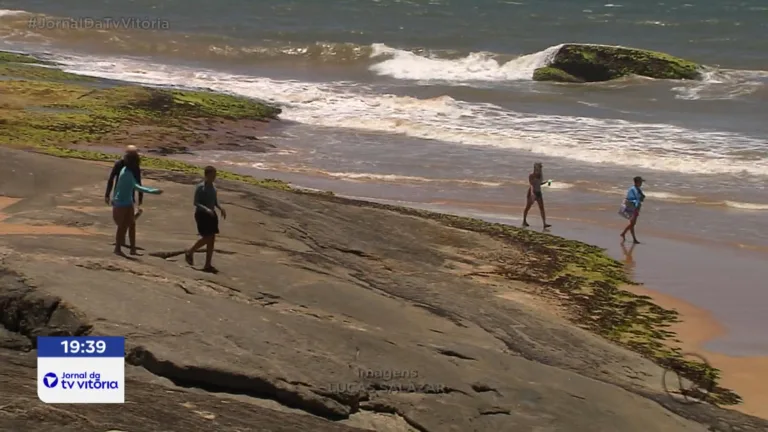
(130, 152)
(535, 180)
(206, 202)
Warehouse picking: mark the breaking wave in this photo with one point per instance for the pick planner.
(408, 65)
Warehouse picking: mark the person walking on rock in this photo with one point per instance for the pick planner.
(535, 181)
(136, 171)
(206, 202)
(123, 202)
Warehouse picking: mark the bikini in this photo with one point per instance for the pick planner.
(536, 188)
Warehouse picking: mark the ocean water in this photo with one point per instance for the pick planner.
(431, 103)
(440, 91)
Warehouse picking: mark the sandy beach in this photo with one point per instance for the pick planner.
(697, 329)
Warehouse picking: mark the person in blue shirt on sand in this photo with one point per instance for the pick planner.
(206, 202)
(122, 202)
(630, 208)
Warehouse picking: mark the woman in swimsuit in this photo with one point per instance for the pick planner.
(536, 180)
(631, 208)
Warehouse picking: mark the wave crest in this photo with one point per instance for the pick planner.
(722, 84)
(477, 66)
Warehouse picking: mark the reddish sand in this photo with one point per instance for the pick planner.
(744, 375)
(10, 228)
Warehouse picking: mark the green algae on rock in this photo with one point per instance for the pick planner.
(44, 105)
(14, 57)
(27, 67)
(554, 74)
(594, 63)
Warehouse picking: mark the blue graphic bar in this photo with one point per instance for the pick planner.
(81, 346)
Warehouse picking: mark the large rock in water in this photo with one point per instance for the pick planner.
(591, 63)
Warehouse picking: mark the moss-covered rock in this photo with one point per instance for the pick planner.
(162, 164)
(554, 74)
(25, 66)
(42, 105)
(592, 63)
(12, 57)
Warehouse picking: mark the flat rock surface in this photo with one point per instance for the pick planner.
(323, 317)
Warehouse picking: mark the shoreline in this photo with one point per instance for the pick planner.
(570, 267)
(695, 329)
(685, 266)
(742, 228)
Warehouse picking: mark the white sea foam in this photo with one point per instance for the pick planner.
(349, 105)
(746, 206)
(688, 199)
(479, 66)
(721, 84)
(362, 176)
(405, 179)
(668, 196)
(11, 12)
(559, 185)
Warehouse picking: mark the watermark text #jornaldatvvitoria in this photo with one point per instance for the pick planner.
(105, 23)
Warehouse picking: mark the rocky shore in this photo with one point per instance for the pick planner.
(579, 63)
(328, 314)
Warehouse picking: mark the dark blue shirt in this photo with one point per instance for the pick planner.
(205, 196)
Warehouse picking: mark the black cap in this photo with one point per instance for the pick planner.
(638, 179)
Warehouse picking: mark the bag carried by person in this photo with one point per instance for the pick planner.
(627, 210)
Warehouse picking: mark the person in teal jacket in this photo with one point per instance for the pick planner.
(630, 209)
(122, 203)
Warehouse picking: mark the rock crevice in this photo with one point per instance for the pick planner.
(218, 381)
(28, 313)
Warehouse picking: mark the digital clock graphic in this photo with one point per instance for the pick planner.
(74, 346)
(84, 369)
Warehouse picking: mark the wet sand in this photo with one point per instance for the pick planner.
(743, 374)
